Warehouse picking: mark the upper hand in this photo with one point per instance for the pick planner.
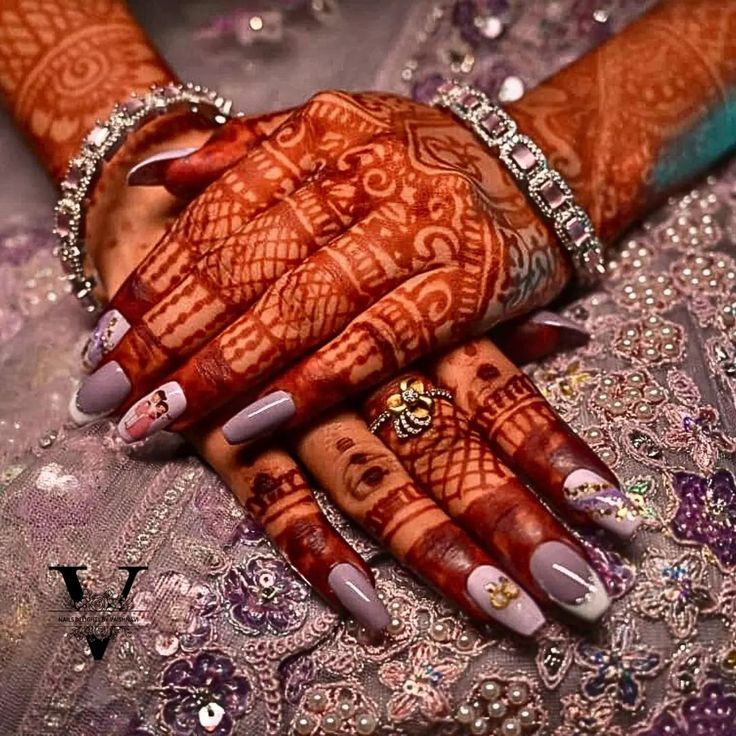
(341, 241)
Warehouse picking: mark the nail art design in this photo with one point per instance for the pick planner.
(503, 600)
(569, 580)
(260, 418)
(355, 592)
(151, 171)
(153, 412)
(99, 394)
(108, 332)
(603, 502)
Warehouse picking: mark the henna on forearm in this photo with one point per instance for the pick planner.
(644, 113)
(64, 63)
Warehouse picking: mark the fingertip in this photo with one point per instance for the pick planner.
(356, 593)
(153, 171)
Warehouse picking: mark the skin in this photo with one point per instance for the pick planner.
(430, 162)
(363, 281)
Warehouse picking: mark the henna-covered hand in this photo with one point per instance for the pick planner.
(350, 237)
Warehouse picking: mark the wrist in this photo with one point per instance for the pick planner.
(124, 223)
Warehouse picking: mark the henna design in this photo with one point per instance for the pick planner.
(523, 429)
(63, 64)
(453, 463)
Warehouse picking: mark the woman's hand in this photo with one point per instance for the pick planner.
(345, 239)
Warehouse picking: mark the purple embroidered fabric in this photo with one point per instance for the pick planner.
(227, 640)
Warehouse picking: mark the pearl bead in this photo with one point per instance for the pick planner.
(304, 725)
(464, 641)
(331, 722)
(395, 626)
(490, 690)
(346, 709)
(511, 727)
(465, 713)
(439, 632)
(316, 702)
(365, 724)
(496, 709)
(479, 726)
(527, 716)
(518, 693)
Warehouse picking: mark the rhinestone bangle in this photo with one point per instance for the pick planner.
(544, 185)
(100, 145)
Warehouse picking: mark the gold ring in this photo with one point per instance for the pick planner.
(410, 410)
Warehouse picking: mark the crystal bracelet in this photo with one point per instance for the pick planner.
(544, 185)
(99, 146)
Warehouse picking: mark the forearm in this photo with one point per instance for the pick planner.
(64, 63)
(643, 114)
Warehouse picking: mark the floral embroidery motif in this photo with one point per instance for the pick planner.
(712, 711)
(420, 683)
(674, 591)
(653, 340)
(580, 717)
(617, 670)
(707, 513)
(263, 595)
(182, 611)
(203, 695)
(696, 433)
(639, 491)
(631, 395)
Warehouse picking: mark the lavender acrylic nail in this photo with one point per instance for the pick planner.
(354, 590)
(260, 418)
(108, 332)
(564, 575)
(100, 393)
(503, 600)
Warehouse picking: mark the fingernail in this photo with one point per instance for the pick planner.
(108, 332)
(152, 170)
(608, 506)
(569, 580)
(503, 600)
(571, 334)
(259, 418)
(355, 592)
(99, 393)
(153, 412)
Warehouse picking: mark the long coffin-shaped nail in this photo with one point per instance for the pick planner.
(569, 580)
(606, 504)
(108, 332)
(259, 418)
(355, 592)
(99, 394)
(153, 412)
(152, 170)
(503, 600)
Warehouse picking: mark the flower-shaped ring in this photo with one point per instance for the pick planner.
(410, 410)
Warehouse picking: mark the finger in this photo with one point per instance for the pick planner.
(433, 440)
(272, 488)
(304, 308)
(368, 483)
(267, 172)
(186, 172)
(528, 435)
(532, 338)
(223, 284)
(396, 330)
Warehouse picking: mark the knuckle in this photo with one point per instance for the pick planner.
(367, 466)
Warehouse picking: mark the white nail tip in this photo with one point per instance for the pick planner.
(147, 173)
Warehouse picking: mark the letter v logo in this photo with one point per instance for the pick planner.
(76, 593)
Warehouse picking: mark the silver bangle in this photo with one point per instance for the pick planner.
(100, 146)
(544, 185)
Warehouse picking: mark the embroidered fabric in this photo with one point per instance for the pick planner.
(229, 640)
